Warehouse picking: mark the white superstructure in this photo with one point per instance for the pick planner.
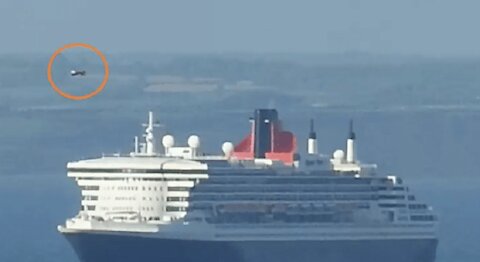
(178, 193)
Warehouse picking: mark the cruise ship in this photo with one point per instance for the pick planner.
(258, 200)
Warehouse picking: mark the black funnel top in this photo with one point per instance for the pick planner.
(264, 119)
(351, 134)
(312, 134)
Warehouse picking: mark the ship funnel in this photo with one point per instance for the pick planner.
(312, 147)
(267, 139)
(351, 144)
(264, 120)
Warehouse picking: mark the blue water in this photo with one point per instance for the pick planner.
(436, 153)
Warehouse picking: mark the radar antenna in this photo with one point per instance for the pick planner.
(149, 136)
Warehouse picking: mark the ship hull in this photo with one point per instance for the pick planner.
(97, 247)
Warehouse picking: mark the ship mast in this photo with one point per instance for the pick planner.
(149, 145)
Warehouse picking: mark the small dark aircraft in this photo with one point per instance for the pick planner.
(78, 73)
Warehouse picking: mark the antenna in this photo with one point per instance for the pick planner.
(136, 145)
(149, 136)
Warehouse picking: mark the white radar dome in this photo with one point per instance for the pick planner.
(168, 141)
(227, 148)
(338, 154)
(194, 141)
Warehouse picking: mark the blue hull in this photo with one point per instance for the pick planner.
(96, 247)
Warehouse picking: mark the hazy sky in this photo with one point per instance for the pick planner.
(425, 27)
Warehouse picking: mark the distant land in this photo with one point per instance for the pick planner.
(350, 80)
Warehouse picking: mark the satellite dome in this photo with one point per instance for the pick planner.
(194, 141)
(338, 154)
(227, 148)
(168, 141)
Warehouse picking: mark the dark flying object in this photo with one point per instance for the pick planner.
(78, 73)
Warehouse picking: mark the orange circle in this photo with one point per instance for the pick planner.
(70, 96)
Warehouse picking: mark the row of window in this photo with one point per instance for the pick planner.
(89, 197)
(281, 207)
(88, 207)
(119, 208)
(124, 188)
(133, 198)
(392, 205)
(122, 209)
(143, 188)
(249, 217)
(176, 199)
(136, 171)
(127, 188)
(177, 188)
(417, 206)
(422, 218)
(393, 188)
(285, 197)
(125, 198)
(89, 187)
(391, 197)
(175, 209)
(134, 179)
(288, 180)
(282, 188)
